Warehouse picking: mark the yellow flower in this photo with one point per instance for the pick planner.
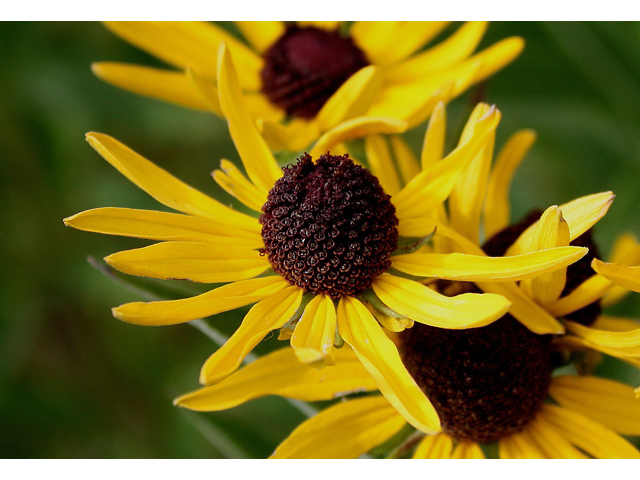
(492, 383)
(302, 80)
(328, 232)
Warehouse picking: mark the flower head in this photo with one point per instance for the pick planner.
(304, 79)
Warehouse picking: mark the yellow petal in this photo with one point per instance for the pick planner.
(468, 451)
(231, 179)
(586, 293)
(380, 357)
(254, 152)
(623, 245)
(190, 44)
(280, 373)
(313, 336)
(449, 52)
(352, 99)
(381, 164)
(552, 231)
(222, 299)
(261, 35)
(581, 214)
(588, 435)
(345, 430)
(433, 144)
(551, 442)
(407, 162)
(386, 42)
(170, 86)
(572, 343)
(356, 128)
(269, 314)
(496, 206)
(322, 24)
(162, 226)
(195, 261)
(434, 447)
(427, 306)
(626, 342)
(472, 268)
(164, 187)
(610, 403)
(294, 136)
(615, 324)
(520, 446)
(496, 57)
(625, 276)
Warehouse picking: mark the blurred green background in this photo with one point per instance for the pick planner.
(75, 382)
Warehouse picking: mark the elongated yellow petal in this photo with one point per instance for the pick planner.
(170, 86)
(433, 144)
(496, 57)
(164, 187)
(161, 226)
(552, 231)
(407, 161)
(468, 451)
(574, 343)
(520, 446)
(471, 268)
(580, 214)
(352, 99)
(433, 186)
(294, 136)
(610, 403)
(615, 324)
(280, 373)
(190, 44)
(313, 336)
(269, 314)
(195, 261)
(254, 152)
(261, 35)
(345, 430)
(623, 245)
(625, 276)
(380, 357)
(385, 43)
(222, 299)
(496, 206)
(551, 442)
(627, 342)
(381, 164)
(438, 446)
(427, 306)
(356, 128)
(588, 435)
(449, 52)
(234, 183)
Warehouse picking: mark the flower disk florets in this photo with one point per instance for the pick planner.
(305, 66)
(328, 227)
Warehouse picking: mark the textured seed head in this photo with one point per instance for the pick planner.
(328, 227)
(305, 66)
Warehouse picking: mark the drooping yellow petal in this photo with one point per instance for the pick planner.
(615, 324)
(625, 276)
(385, 43)
(231, 179)
(162, 226)
(520, 446)
(380, 357)
(407, 162)
(496, 206)
(222, 299)
(261, 35)
(381, 164)
(352, 99)
(495, 57)
(168, 85)
(269, 314)
(345, 430)
(625, 342)
(468, 451)
(472, 268)
(610, 403)
(195, 261)
(574, 343)
(433, 186)
(313, 336)
(623, 245)
(164, 187)
(551, 442)
(580, 214)
(587, 435)
(552, 231)
(356, 128)
(280, 373)
(253, 150)
(449, 52)
(433, 144)
(427, 306)
(438, 446)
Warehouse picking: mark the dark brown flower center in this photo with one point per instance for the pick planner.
(485, 383)
(305, 66)
(328, 227)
